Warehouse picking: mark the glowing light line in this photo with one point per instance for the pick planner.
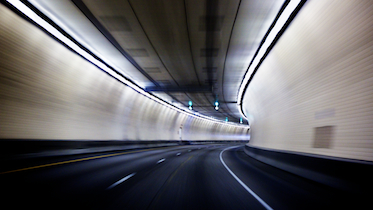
(263, 49)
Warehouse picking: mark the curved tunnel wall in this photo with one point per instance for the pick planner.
(49, 92)
(313, 92)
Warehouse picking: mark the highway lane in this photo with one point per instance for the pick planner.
(181, 177)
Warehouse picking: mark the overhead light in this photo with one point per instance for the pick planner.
(281, 21)
(216, 105)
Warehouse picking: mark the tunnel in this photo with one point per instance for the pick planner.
(186, 104)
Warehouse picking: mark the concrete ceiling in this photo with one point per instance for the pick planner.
(200, 45)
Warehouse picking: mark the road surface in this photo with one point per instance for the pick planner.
(213, 176)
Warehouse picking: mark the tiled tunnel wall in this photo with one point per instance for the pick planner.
(314, 91)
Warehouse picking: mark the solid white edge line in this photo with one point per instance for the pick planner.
(120, 181)
(239, 180)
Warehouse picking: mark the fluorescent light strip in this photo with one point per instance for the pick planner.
(76, 37)
(41, 22)
(270, 38)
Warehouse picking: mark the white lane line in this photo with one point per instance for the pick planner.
(161, 160)
(243, 184)
(178, 154)
(120, 181)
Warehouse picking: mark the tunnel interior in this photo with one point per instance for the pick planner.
(229, 104)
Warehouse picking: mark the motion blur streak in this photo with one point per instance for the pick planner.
(63, 96)
(29, 13)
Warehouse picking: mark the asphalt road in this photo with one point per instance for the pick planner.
(217, 176)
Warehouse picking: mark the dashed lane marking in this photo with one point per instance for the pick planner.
(121, 180)
(161, 160)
